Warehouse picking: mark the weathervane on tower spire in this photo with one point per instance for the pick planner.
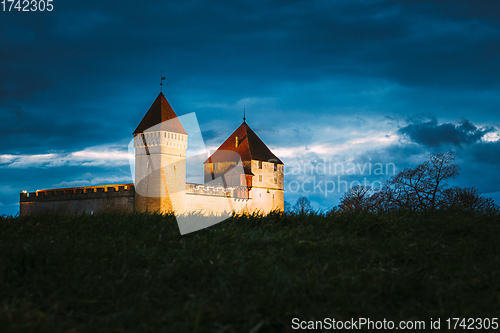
(244, 115)
(161, 81)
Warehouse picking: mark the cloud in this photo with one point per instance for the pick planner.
(430, 134)
(94, 180)
(100, 156)
(86, 73)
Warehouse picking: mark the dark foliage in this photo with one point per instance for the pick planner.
(469, 200)
(358, 198)
(131, 273)
(423, 188)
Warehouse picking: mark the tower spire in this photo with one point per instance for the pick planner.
(244, 115)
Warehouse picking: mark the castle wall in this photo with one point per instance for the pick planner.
(266, 200)
(160, 174)
(207, 200)
(267, 187)
(208, 205)
(160, 171)
(267, 177)
(78, 200)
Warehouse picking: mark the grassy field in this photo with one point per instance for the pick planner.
(129, 273)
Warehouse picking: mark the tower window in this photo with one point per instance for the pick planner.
(275, 166)
(236, 142)
(260, 178)
(275, 180)
(260, 164)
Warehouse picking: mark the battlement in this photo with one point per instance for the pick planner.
(237, 192)
(160, 143)
(79, 193)
(160, 138)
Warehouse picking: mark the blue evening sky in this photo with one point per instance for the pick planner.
(352, 83)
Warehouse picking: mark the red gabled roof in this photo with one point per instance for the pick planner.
(250, 147)
(162, 114)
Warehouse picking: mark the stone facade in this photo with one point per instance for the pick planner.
(242, 176)
(79, 200)
(160, 171)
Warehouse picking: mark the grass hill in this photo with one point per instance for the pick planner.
(129, 273)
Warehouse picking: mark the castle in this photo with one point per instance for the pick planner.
(241, 176)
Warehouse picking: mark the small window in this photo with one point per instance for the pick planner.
(275, 180)
(260, 164)
(275, 166)
(260, 178)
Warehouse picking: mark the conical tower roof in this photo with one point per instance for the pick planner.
(160, 113)
(250, 147)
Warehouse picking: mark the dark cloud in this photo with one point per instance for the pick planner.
(86, 73)
(433, 135)
(210, 135)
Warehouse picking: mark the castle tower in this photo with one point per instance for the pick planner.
(263, 172)
(160, 143)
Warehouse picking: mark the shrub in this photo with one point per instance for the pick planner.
(469, 200)
(419, 189)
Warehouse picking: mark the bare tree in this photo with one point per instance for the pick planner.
(422, 188)
(357, 198)
(383, 200)
(469, 200)
(302, 206)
